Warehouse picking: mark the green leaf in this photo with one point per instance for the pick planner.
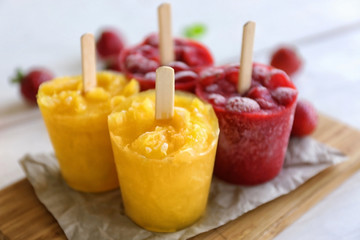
(195, 31)
(18, 76)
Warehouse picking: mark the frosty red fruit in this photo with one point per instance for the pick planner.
(141, 61)
(305, 119)
(286, 59)
(109, 44)
(30, 82)
(254, 127)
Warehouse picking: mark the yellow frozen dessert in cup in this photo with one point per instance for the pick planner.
(164, 166)
(77, 126)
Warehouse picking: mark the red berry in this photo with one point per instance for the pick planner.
(232, 74)
(196, 55)
(152, 40)
(276, 79)
(148, 52)
(305, 120)
(180, 42)
(137, 63)
(226, 88)
(185, 76)
(259, 92)
(260, 72)
(150, 76)
(109, 44)
(216, 99)
(262, 96)
(179, 66)
(241, 104)
(29, 83)
(211, 75)
(284, 95)
(179, 53)
(286, 59)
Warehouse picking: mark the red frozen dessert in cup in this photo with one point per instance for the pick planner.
(255, 126)
(141, 61)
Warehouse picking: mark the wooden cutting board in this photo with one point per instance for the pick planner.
(22, 216)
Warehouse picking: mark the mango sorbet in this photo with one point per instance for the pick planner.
(164, 166)
(77, 125)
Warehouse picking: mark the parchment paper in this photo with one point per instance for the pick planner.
(101, 216)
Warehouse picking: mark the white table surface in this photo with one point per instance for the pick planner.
(326, 32)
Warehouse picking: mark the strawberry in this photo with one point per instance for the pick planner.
(305, 120)
(286, 59)
(29, 83)
(109, 44)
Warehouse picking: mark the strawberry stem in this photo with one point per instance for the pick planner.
(18, 77)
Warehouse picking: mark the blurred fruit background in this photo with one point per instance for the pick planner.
(42, 33)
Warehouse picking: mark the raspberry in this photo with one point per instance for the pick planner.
(179, 66)
(180, 41)
(242, 104)
(217, 99)
(212, 88)
(286, 59)
(137, 63)
(29, 83)
(185, 76)
(179, 53)
(226, 88)
(259, 92)
(148, 52)
(260, 72)
(284, 95)
(152, 40)
(196, 55)
(110, 44)
(232, 74)
(277, 78)
(305, 120)
(262, 96)
(150, 76)
(211, 75)
(266, 104)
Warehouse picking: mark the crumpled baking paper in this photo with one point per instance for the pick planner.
(101, 216)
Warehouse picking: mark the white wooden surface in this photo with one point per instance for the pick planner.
(327, 33)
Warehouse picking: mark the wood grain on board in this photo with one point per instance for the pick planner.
(22, 216)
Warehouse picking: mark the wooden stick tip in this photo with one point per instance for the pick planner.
(250, 23)
(87, 35)
(164, 68)
(164, 91)
(164, 5)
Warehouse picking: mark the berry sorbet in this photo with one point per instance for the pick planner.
(255, 126)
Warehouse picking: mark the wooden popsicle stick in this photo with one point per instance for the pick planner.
(166, 44)
(164, 93)
(245, 70)
(88, 61)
